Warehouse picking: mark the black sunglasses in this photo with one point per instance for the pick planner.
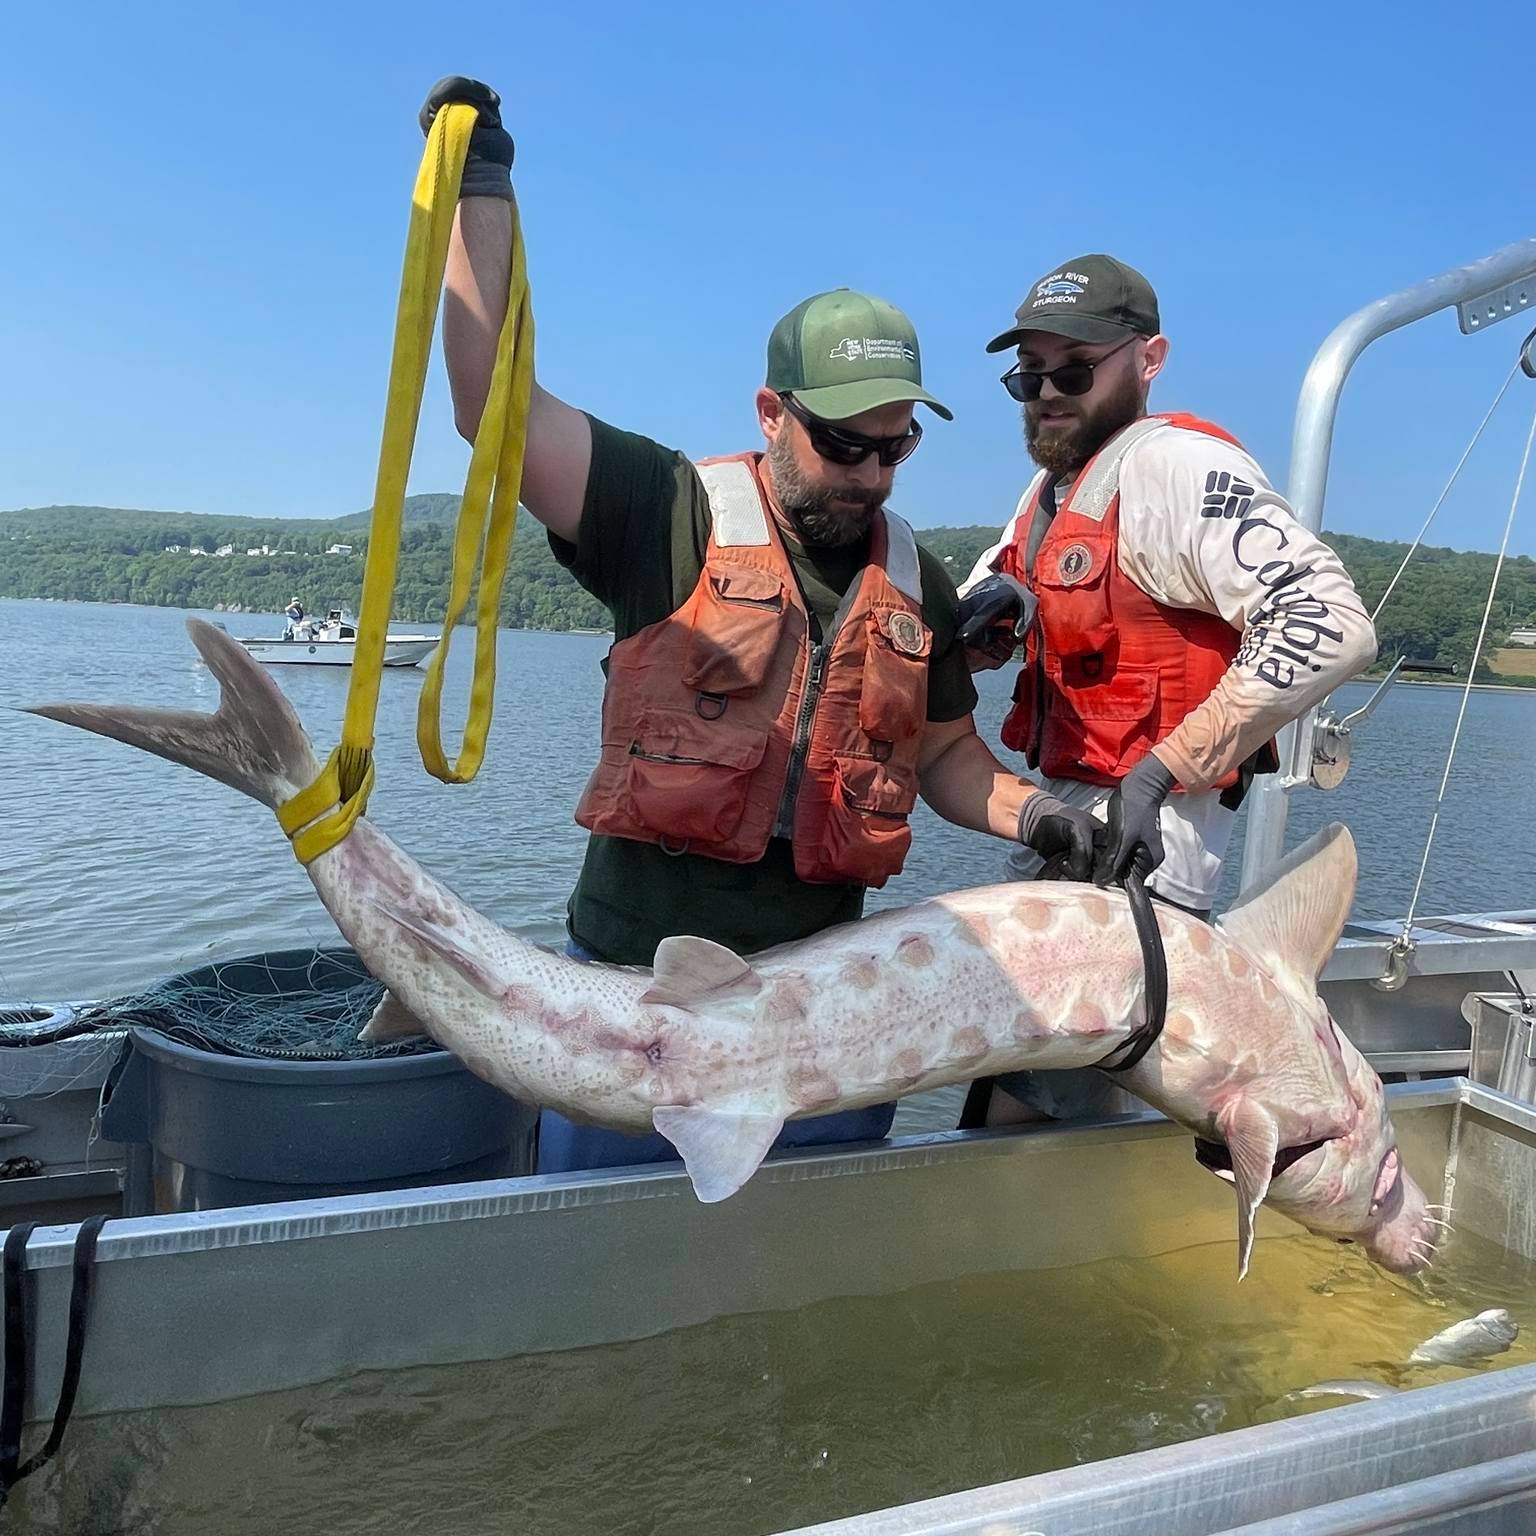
(1074, 378)
(837, 445)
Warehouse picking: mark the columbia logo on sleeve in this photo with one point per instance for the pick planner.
(1225, 495)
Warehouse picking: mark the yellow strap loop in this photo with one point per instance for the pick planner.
(323, 813)
(494, 482)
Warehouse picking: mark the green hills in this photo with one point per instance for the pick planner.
(252, 564)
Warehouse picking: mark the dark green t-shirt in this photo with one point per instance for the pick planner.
(644, 532)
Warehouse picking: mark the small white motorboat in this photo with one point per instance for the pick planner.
(332, 642)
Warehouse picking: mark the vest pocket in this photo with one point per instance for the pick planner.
(738, 614)
(867, 833)
(1071, 580)
(1099, 724)
(893, 695)
(686, 778)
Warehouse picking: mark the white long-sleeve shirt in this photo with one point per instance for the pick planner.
(1201, 528)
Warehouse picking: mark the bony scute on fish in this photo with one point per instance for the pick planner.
(716, 1052)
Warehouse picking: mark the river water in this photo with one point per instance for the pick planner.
(117, 868)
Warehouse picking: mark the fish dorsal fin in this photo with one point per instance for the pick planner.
(1253, 1139)
(686, 970)
(720, 1149)
(1293, 920)
(391, 1020)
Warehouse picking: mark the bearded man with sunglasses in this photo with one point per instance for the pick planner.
(785, 677)
(1174, 614)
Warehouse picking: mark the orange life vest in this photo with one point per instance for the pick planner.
(1108, 672)
(724, 724)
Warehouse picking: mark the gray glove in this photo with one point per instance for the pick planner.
(1049, 826)
(997, 601)
(1135, 840)
(488, 167)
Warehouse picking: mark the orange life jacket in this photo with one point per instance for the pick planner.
(1108, 672)
(724, 724)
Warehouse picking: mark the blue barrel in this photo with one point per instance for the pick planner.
(208, 1129)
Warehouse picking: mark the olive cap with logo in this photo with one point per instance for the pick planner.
(1092, 298)
(842, 352)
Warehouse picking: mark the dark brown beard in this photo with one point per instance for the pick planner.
(1063, 452)
(813, 509)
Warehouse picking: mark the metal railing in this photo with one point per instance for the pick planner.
(1483, 293)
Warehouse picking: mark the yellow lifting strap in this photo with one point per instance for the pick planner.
(323, 813)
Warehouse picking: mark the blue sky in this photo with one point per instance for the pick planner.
(206, 210)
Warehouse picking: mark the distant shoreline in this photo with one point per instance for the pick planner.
(109, 602)
(1476, 687)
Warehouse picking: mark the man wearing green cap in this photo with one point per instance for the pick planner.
(785, 677)
(1174, 613)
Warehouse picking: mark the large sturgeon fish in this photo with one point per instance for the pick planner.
(715, 1052)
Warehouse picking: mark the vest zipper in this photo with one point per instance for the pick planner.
(815, 676)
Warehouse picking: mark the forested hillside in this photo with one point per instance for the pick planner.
(193, 560)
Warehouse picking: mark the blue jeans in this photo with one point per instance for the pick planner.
(566, 1147)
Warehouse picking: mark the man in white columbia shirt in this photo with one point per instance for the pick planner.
(1174, 613)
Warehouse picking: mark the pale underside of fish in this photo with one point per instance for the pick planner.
(716, 1052)
(1466, 1343)
(1474, 1338)
(1366, 1391)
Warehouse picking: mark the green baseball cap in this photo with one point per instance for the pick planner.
(842, 352)
(1093, 298)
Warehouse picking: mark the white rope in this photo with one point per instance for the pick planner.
(1466, 692)
(1440, 500)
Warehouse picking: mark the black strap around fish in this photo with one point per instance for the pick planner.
(1154, 964)
(18, 1342)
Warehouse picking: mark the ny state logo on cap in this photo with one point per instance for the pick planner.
(853, 349)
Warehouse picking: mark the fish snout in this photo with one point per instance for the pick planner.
(1403, 1240)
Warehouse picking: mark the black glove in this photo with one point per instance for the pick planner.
(1135, 841)
(998, 600)
(1050, 826)
(488, 167)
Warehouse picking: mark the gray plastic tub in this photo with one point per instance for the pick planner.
(208, 1130)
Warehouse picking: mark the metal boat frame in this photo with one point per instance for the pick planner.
(189, 1309)
(1451, 1458)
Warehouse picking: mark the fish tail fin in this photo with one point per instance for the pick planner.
(253, 742)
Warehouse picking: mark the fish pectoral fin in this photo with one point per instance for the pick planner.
(687, 970)
(721, 1149)
(1253, 1139)
(391, 1020)
(442, 942)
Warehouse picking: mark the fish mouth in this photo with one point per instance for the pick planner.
(1404, 1238)
(1215, 1156)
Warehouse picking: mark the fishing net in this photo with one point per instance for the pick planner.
(300, 1005)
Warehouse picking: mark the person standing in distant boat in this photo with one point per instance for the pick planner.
(295, 616)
